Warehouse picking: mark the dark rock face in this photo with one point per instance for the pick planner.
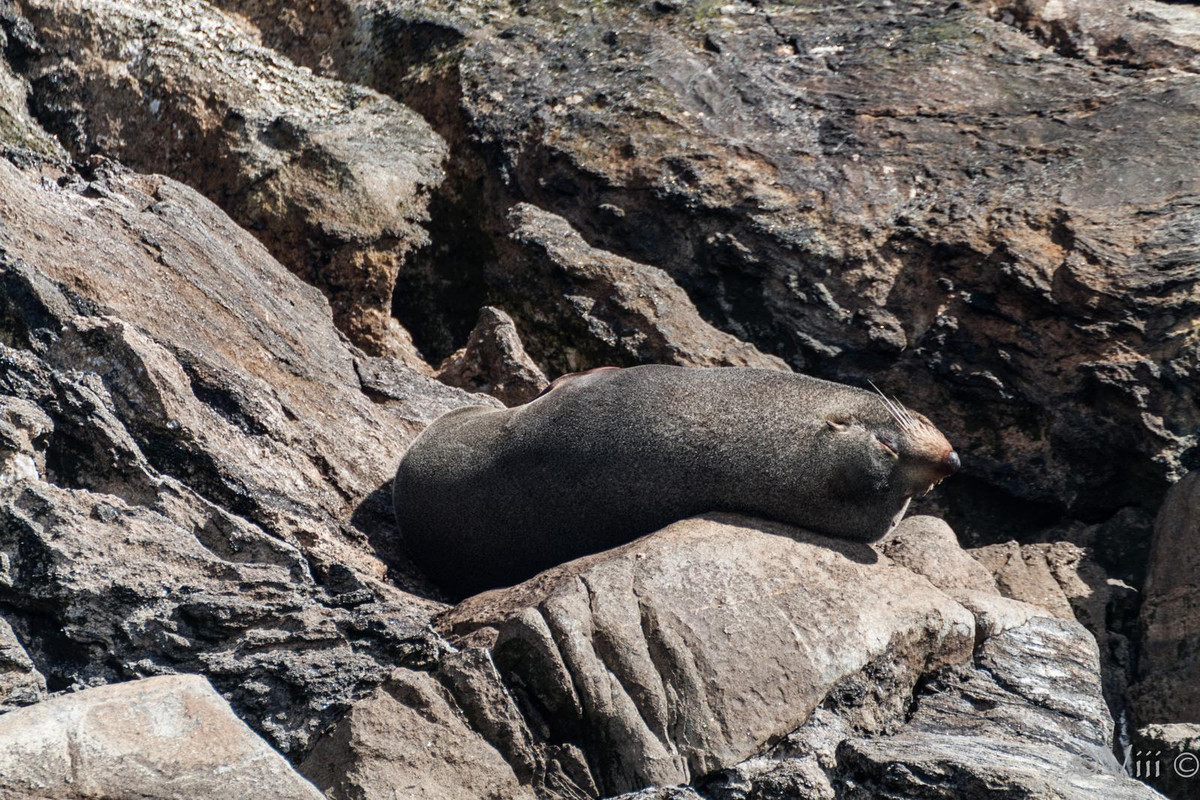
(883, 191)
(627, 313)
(1167, 757)
(20, 682)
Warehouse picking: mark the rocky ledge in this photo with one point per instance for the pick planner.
(250, 249)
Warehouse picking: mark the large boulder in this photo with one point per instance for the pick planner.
(750, 660)
(156, 739)
(585, 308)
(687, 651)
(333, 178)
(408, 736)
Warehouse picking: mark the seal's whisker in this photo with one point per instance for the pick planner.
(902, 415)
(888, 404)
(909, 422)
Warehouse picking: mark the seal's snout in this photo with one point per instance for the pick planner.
(946, 465)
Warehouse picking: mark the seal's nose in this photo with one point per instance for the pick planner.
(953, 462)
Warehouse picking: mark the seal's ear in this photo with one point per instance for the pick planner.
(838, 422)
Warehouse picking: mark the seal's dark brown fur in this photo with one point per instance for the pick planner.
(488, 497)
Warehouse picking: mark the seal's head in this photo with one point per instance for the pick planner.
(907, 454)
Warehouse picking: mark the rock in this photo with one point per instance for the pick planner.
(408, 738)
(24, 429)
(195, 446)
(690, 650)
(1169, 657)
(494, 361)
(208, 470)
(237, 355)
(411, 394)
(668, 793)
(1168, 758)
(20, 682)
(1023, 573)
(166, 737)
(332, 178)
(994, 614)
(927, 546)
(1144, 33)
(1027, 720)
(1065, 579)
(581, 307)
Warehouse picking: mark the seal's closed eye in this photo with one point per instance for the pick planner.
(889, 442)
(838, 422)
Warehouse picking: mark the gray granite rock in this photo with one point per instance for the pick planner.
(159, 739)
(494, 361)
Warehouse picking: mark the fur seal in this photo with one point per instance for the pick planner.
(488, 497)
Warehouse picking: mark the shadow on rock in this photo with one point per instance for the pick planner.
(376, 519)
(858, 552)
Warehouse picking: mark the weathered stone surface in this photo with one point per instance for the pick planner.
(1025, 716)
(1143, 33)
(201, 475)
(20, 682)
(689, 650)
(214, 352)
(1064, 578)
(24, 430)
(1168, 758)
(927, 546)
(494, 361)
(407, 738)
(159, 738)
(583, 308)
(1023, 573)
(1027, 720)
(193, 461)
(668, 793)
(410, 393)
(1169, 658)
(332, 178)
